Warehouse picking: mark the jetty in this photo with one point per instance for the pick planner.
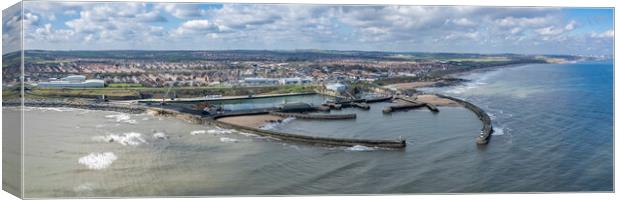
(411, 104)
(404, 106)
(315, 116)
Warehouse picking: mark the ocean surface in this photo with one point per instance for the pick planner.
(553, 133)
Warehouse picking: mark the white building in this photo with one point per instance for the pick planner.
(271, 81)
(260, 81)
(73, 81)
(336, 87)
(293, 81)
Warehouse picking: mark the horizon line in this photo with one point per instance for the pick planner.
(380, 51)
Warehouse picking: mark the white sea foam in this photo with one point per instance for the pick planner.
(55, 109)
(273, 125)
(121, 117)
(131, 139)
(360, 148)
(228, 140)
(160, 135)
(198, 132)
(249, 134)
(214, 131)
(98, 161)
(498, 130)
(218, 131)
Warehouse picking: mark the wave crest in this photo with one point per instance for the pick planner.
(98, 161)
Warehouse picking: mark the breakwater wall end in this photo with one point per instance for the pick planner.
(397, 107)
(487, 127)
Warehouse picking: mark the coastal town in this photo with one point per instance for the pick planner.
(226, 69)
(189, 86)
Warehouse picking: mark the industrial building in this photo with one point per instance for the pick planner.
(336, 87)
(272, 81)
(73, 81)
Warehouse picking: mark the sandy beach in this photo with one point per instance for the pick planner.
(254, 121)
(438, 101)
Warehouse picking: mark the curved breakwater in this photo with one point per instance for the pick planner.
(284, 136)
(487, 128)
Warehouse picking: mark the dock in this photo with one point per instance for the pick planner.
(315, 116)
(413, 104)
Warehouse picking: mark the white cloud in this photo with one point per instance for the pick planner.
(606, 34)
(272, 26)
(182, 10)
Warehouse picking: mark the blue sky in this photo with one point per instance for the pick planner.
(178, 26)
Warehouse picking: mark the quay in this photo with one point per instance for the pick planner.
(406, 106)
(411, 103)
(315, 116)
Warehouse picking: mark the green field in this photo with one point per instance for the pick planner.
(135, 92)
(124, 85)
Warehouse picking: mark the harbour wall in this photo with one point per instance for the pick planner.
(282, 136)
(315, 116)
(487, 127)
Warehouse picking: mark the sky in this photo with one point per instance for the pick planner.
(191, 26)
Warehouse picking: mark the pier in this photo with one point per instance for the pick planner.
(315, 116)
(406, 106)
(411, 104)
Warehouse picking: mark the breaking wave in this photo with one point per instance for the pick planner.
(160, 135)
(131, 139)
(273, 125)
(98, 161)
(360, 148)
(55, 109)
(228, 140)
(122, 117)
(215, 131)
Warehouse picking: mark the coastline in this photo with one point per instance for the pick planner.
(137, 109)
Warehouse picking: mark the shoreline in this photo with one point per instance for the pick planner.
(86, 106)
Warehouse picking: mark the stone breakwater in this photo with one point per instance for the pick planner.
(279, 135)
(315, 116)
(487, 127)
(134, 109)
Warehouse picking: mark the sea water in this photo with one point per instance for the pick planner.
(553, 133)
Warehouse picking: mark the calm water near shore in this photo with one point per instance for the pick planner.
(554, 133)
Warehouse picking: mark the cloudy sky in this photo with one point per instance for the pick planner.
(177, 26)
